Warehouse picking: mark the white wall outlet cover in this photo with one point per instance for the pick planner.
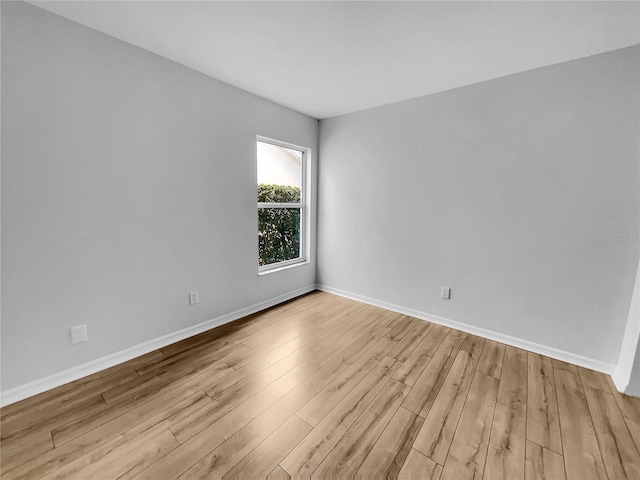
(78, 334)
(445, 293)
(193, 298)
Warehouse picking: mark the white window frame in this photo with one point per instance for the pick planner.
(303, 206)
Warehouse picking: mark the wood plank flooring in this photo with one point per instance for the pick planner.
(326, 387)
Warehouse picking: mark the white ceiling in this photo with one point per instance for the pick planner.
(328, 58)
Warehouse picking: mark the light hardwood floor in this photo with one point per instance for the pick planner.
(326, 387)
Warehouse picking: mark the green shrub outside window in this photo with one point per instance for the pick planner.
(278, 228)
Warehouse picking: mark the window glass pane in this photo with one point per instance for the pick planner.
(279, 173)
(278, 235)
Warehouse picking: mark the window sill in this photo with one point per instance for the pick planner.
(278, 267)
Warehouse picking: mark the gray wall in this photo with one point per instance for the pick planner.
(503, 191)
(127, 181)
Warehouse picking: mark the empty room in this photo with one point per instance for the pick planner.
(320, 239)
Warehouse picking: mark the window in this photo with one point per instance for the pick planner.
(281, 204)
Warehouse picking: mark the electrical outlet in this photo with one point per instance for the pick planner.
(78, 334)
(445, 293)
(193, 298)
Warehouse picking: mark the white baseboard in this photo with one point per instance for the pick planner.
(52, 381)
(568, 357)
(621, 383)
